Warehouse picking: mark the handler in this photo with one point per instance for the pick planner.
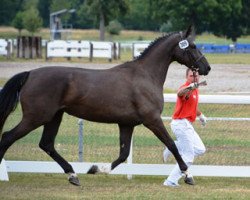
(188, 141)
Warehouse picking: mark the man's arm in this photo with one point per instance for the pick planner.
(185, 91)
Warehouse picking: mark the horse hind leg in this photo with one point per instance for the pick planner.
(9, 137)
(125, 142)
(47, 143)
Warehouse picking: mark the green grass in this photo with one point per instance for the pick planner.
(55, 186)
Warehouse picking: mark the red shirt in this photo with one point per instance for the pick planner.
(187, 107)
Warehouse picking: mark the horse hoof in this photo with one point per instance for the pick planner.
(74, 181)
(93, 170)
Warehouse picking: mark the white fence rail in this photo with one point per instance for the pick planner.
(103, 50)
(143, 169)
(138, 48)
(82, 49)
(61, 48)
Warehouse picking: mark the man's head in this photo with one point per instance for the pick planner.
(191, 76)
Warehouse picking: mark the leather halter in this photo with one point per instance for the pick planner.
(191, 57)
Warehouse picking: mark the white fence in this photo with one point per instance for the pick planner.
(61, 48)
(138, 48)
(103, 50)
(142, 169)
(6, 47)
(82, 49)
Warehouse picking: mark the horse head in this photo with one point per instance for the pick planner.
(186, 53)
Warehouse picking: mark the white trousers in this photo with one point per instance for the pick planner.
(189, 145)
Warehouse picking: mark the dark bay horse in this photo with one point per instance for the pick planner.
(128, 94)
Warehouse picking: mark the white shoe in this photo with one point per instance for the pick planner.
(166, 154)
(170, 184)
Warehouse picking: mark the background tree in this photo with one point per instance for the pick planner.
(32, 21)
(8, 10)
(58, 5)
(180, 13)
(227, 19)
(139, 16)
(245, 22)
(104, 11)
(43, 7)
(84, 19)
(221, 17)
(114, 28)
(18, 22)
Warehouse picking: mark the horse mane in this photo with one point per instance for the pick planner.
(153, 44)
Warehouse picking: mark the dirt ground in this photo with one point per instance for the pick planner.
(223, 79)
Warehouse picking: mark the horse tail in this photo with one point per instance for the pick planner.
(9, 96)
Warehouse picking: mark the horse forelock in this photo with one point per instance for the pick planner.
(153, 44)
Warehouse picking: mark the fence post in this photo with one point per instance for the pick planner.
(3, 171)
(130, 158)
(91, 52)
(8, 48)
(80, 144)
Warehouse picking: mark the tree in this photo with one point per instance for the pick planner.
(105, 10)
(44, 11)
(245, 22)
(8, 10)
(32, 21)
(18, 22)
(180, 13)
(139, 16)
(84, 19)
(228, 18)
(114, 27)
(57, 5)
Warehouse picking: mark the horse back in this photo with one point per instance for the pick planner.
(115, 95)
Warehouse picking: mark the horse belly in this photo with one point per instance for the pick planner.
(105, 114)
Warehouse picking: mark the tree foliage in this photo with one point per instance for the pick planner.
(32, 21)
(226, 18)
(114, 27)
(105, 10)
(43, 7)
(221, 17)
(8, 10)
(18, 22)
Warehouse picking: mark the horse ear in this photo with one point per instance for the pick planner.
(189, 31)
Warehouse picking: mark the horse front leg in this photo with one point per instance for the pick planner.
(47, 143)
(125, 142)
(158, 128)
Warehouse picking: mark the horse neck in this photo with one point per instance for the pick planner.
(157, 61)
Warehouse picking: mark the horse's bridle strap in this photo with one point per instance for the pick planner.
(193, 59)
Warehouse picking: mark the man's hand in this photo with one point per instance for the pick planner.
(193, 85)
(202, 119)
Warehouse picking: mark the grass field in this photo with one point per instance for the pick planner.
(106, 187)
